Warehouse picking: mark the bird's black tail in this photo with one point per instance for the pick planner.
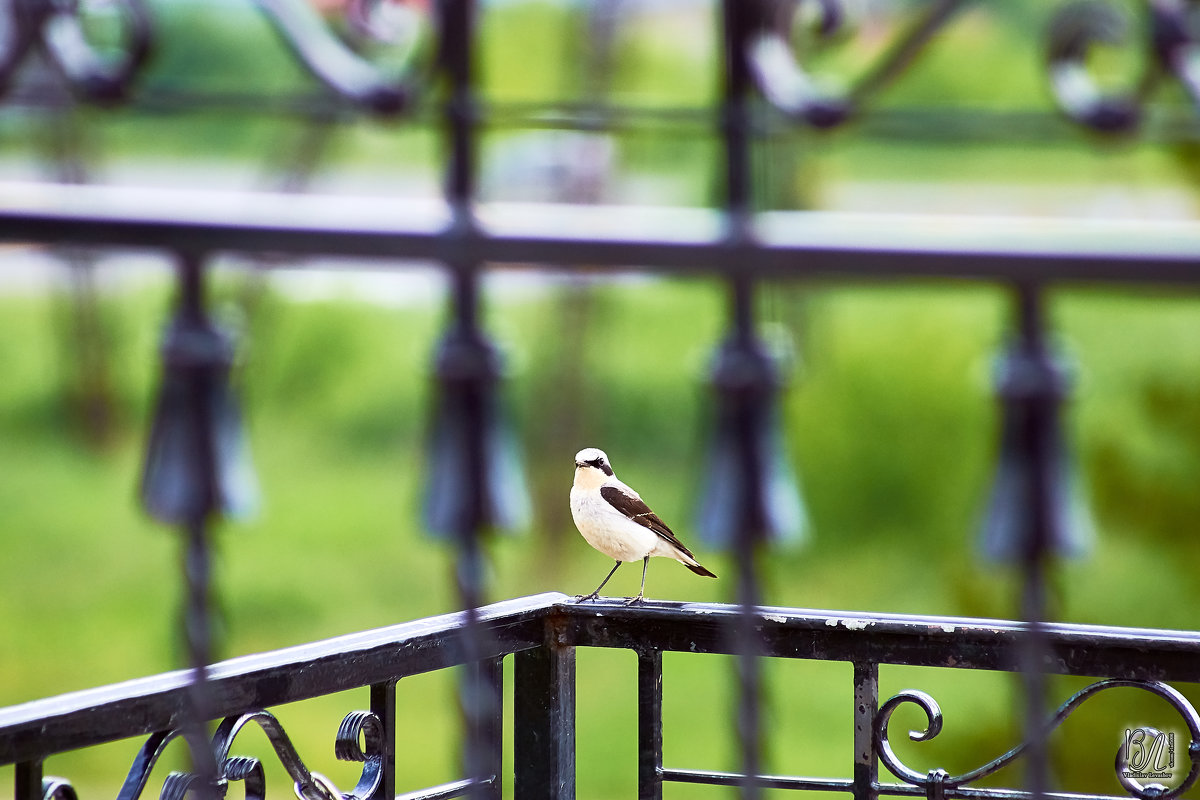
(699, 570)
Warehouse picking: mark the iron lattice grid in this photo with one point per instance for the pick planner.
(761, 81)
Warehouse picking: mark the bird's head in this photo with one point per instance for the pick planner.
(592, 458)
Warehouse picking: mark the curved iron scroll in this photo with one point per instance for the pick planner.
(59, 30)
(791, 89)
(309, 785)
(58, 789)
(1079, 26)
(335, 64)
(360, 738)
(936, 781)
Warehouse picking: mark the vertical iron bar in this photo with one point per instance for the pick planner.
(466, 300)
(1030, 315)
(742, 305)
(196, 624)
(738, 16)
(735, 130)
(866, 707)
(383, 706)
(191, 286)
(1033, 595)
(197, 564)
(1032, 666)
(544, 723)
(457, 39)
(650, 725)
(28, 781)
(480, 689)
(735, 121)
(490, 677)
(749, 672)
(479, 698)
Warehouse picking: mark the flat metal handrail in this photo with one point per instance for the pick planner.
(41, 728)
(780, 244)
(931, 641)
(556, 624)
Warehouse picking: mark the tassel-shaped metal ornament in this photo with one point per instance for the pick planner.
(197, 462)
(749, 485)
(1032, 386)
(476, 480)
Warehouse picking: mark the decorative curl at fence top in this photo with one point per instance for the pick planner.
(938, 780)
(419, 35)
(1167, 40)
(107, 72)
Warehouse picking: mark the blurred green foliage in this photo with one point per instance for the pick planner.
(891, 425)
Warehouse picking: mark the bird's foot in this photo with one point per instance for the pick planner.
(583, 598)
(634, 600)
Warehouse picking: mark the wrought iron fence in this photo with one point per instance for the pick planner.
(542, 634)
(195, 469)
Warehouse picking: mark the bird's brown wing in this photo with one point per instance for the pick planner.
(635, 509)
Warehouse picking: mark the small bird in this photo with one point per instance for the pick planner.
(614, 520)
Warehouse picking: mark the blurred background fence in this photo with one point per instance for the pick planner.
(888, 404)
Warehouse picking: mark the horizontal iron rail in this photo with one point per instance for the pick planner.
(1039, 126)
(765, 781)
(94, 716)
(969, 793)
(35, 730)
(957, 642)
(444, 791)
(843, 785)
(779, 244)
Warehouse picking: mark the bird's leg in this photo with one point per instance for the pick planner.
(596, 594)
(642, 591)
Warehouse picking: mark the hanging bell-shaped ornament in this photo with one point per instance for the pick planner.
(749, 486)
(1032, 387)
(197, 461)
(476, 480)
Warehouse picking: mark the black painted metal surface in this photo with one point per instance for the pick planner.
(542, 633)
(544, 718)
(783, 244)
(960, 643)
(37, 729)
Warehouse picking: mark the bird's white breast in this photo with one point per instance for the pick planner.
(607, 529)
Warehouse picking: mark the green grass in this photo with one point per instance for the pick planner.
(890, 424)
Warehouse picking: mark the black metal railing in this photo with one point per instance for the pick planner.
(542, 635)
(195, 470)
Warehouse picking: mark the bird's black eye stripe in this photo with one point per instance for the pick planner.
(598, 463)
